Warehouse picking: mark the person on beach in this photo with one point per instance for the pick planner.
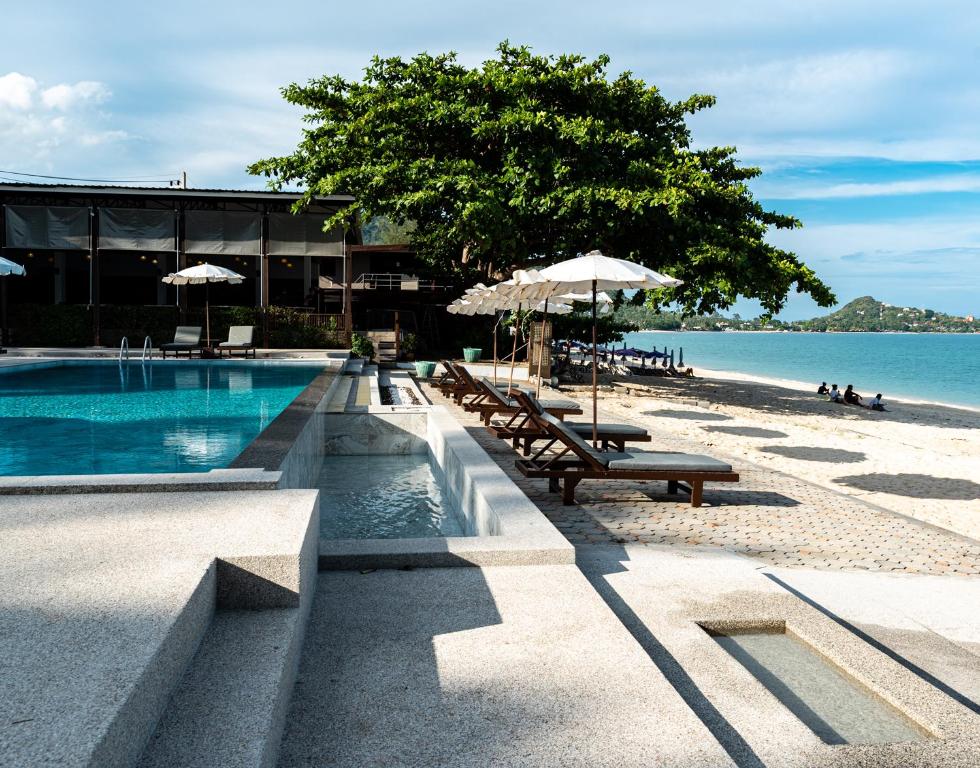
(835, 395)
(851, 397)
(822, 389)
(876, 404)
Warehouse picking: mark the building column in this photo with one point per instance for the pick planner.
(94, 297)
(60, 279)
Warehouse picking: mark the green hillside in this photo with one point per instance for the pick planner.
(869, 314)
(864, 314)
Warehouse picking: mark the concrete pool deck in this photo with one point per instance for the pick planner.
(106, 598)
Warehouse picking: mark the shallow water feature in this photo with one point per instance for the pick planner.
(384, 497)
(832, 704)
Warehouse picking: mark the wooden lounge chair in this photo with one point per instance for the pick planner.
(187, 339)
(239, 340)
(523, 432)
(450, 380)
(490, 401)
(575, 460)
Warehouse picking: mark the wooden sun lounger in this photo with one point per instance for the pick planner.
(524, 433)
(447, 379)
(576, 460)
(490, 401)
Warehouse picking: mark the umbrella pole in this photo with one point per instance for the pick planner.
(207, 314)
(541, 347)
(513, 354)
(595, 374)
(496, 327)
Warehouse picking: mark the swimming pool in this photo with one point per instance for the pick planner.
(94, 417)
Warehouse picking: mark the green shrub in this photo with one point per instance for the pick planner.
(361, 346)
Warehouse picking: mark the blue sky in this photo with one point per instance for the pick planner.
(863, 115)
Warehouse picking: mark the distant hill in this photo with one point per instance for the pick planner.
(869, 314)
(865, 314)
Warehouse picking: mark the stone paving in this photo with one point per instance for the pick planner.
(779, 519)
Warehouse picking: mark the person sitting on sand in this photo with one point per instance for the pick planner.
(851, 397)
(876, 404)
(835, 395)
(822, 389)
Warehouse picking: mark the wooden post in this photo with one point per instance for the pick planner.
(398, 341)
(349, 290)
(513, 354)
(544, 323)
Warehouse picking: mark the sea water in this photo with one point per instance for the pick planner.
(941, 367)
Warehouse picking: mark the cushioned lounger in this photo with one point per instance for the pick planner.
(187, 339)
(490, 401)
(239, 340)
(577, 460)
(523, 433)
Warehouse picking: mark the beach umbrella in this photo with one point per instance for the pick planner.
(592, 272)
(206, 274)
(8, 267)
(482, 299)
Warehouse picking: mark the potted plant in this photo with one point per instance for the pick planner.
(361, 346)
(409, 346)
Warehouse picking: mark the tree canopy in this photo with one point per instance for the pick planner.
(527, 160)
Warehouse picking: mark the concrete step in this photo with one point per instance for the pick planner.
(230, 707)
(338, 401)
(355, 365)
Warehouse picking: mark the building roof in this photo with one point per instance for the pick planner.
(163, 192)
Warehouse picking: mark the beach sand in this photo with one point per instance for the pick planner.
(918, 459)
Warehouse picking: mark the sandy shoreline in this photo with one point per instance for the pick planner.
(809, 388)
(920, 459)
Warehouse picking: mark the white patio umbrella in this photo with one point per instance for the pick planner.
(592, 272)
(207, 274)
(8, 267)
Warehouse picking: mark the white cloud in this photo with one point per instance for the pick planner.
(64, 97)
(924, 186)
(42, 128)
(17, 91)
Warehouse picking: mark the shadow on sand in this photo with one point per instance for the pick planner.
(771, 434)
(811, 453)
(914, 486)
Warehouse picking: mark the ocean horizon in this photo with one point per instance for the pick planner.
(937, 367)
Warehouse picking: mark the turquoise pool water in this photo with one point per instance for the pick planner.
(99, 418)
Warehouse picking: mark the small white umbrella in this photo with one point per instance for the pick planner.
(592, 272)
(207, 274)
(8, 267)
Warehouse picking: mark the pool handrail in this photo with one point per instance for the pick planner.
(147, 350)
(124, 347)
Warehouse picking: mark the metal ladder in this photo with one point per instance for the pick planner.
(124, 350)
(147, 350)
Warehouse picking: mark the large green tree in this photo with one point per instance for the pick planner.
(528, 159)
